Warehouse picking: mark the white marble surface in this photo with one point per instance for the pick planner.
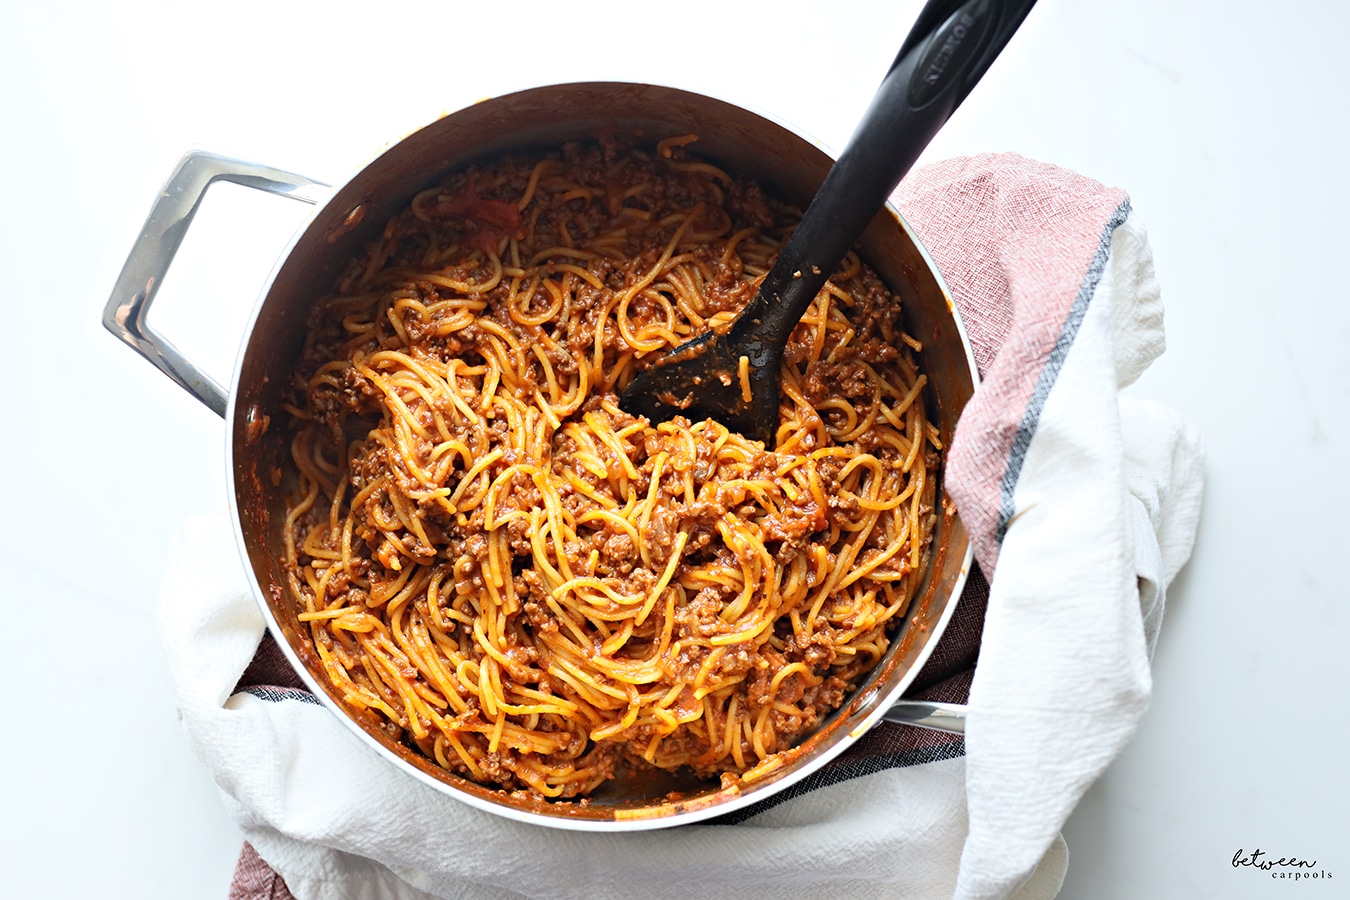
(1224, 121)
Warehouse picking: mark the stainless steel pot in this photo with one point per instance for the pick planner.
(345, 218)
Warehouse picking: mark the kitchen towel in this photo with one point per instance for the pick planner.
(1082, 506)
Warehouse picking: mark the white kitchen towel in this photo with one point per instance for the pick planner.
(1082, 506)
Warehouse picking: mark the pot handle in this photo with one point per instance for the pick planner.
(938, 716)
(128, 308)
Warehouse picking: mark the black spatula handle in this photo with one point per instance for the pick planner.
(950, 47)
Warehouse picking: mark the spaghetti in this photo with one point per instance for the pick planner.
(531, 586)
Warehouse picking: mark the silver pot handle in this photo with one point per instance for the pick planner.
(938, 716)
(127, 310)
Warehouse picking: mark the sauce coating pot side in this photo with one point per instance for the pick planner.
(348, 217)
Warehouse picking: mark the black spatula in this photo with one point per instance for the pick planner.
(950, 47)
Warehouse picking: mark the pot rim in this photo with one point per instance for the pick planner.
(653, 815)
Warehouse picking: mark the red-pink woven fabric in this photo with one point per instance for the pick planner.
(254, 879)
(1016, 241)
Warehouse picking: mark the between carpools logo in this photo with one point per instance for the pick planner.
(1288, 868)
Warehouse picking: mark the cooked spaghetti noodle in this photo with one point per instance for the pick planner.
(533, 587)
